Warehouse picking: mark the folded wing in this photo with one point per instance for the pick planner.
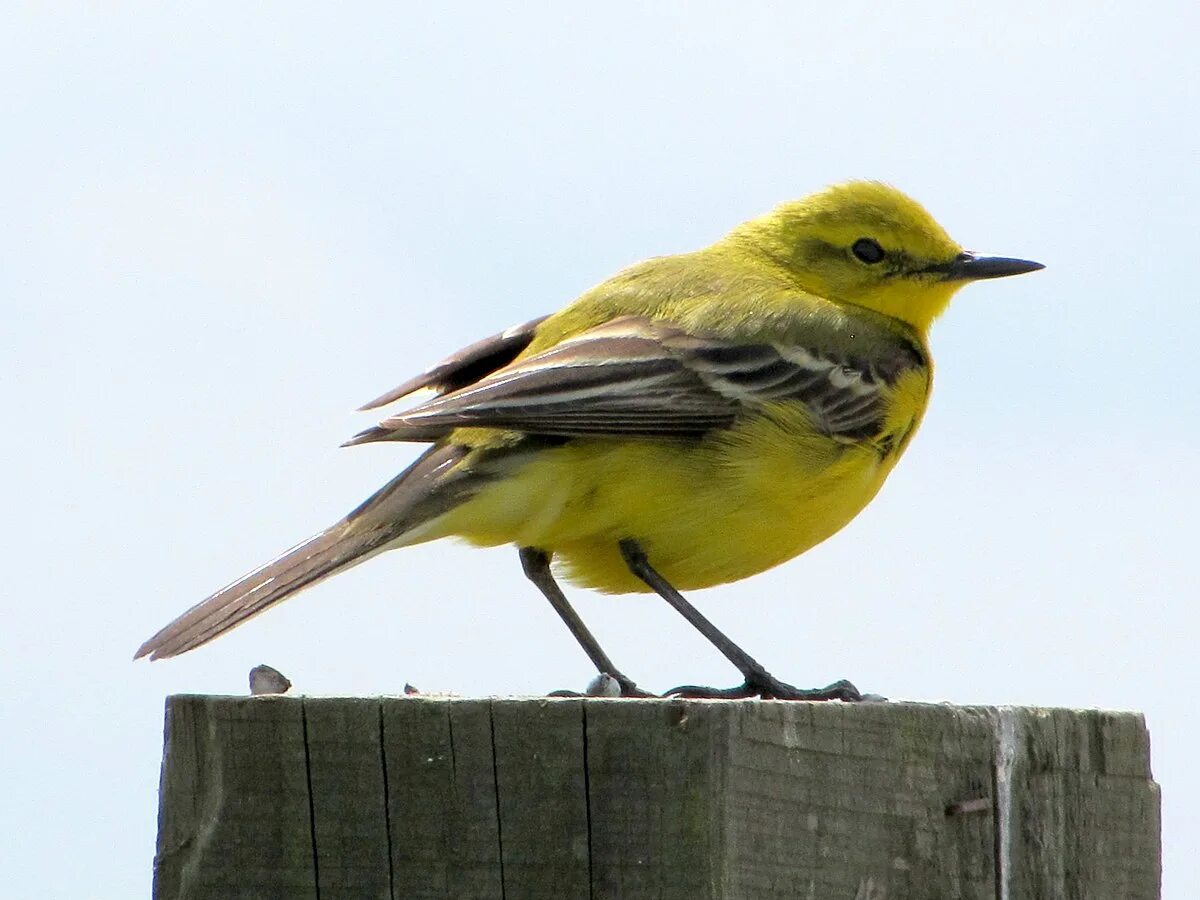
(639, 378)
(466, 366)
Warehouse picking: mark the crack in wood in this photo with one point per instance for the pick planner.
(587, 801)
(312, 809)
(387, 803)
(499, 817)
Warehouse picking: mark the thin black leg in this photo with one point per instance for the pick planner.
(536, 564)
(759, 681)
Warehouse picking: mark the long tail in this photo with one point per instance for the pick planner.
(417, 495)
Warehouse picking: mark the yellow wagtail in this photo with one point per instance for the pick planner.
(691, 421)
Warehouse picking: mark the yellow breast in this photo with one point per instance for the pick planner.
(706, 511)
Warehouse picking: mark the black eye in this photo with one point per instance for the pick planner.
(867, 250)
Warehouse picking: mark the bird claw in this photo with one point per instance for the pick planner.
(699, 692)
(768, 687)
(839, 690)
(762, 684)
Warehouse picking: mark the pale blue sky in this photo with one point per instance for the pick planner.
(226, 227)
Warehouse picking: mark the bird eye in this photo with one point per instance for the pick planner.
(867, 250)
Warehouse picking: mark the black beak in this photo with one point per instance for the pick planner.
(972, 267)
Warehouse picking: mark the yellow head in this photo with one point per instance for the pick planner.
(866, 243)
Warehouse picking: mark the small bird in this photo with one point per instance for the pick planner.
(691, 421)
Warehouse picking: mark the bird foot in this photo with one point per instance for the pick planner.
(768, 687)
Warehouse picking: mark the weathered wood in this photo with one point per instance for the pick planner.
(441, 799)
(409, 797)
(347, 797)
(235, 818)
(1083, 815)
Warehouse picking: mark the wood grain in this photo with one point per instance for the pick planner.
(413, 797)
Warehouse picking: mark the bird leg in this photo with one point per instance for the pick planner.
(536, 564)
(759, 682)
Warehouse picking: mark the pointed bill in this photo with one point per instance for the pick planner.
(968, 266)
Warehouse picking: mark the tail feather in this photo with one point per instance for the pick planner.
(305, 564)
(423, 491)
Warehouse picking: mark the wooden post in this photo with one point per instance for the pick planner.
(410, 798)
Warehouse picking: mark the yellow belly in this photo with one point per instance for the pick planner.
(706, 512)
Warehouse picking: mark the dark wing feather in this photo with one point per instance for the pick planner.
(639, 378)
(466, 366)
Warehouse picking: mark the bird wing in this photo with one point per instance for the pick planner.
(466, 366)
(638, 377)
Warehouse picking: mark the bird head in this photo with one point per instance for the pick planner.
(867, 244)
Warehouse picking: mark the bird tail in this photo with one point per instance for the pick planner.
(419, 494)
